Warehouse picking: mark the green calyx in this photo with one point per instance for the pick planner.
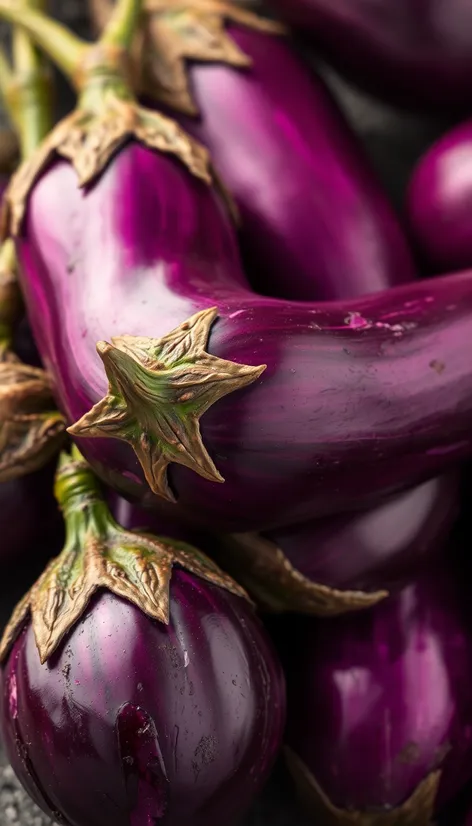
(99, 554)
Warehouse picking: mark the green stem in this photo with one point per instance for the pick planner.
(31, 104)
(63, 47)
(122, 24)
(81, 62)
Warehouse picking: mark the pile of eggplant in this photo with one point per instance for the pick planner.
(236, 408)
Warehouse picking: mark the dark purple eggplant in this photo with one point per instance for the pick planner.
(413, 52)
(171, 698)
(28, 518)
(380, 712)
(315, 223)
(358, 399)
(345, 563)
(439, 202)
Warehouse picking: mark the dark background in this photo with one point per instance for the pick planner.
(394, 141)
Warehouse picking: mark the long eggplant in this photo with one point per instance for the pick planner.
(414, 52)
(309, 203)
(357, 398)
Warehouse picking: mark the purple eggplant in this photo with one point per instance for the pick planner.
(326, 407)
(380, 712)
(315, 223)
(439, 202)
(172, 699)
(345, 563)
(28, 517)
(413, 52)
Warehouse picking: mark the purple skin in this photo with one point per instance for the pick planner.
(390, 686)
(439, 202)
(379, 548)
(413, 52)
(315, 223)
(177, 724)
(134, 518)
(359, 399)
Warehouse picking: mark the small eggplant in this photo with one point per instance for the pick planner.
(315, 223)
(171, 699)
(380, 712)
(413, 52)
(345, 563)
(439, 202)
(308, 409)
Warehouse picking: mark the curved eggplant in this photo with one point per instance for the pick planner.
(414, 52)
(359, 398)
(439, 202)
(379, 707)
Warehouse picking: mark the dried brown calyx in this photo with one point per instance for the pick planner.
(98, 553)
(273, 582)
(176, 31)
(107, 114)
(417, 810)
(89, 140)
(158, 390)
(31, 431)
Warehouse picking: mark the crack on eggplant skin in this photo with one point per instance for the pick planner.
(158, 390)
(278, 587)
(417, 810)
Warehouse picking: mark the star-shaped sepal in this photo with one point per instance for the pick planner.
(99, 554)
(89, 140)
(176, 31)
(158, 391)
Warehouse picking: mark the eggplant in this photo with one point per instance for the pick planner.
(28, 518)
(337, 404)
(31, 433)
(416, 53)
(347, 562)
(380, 712)
(439, 200)
(171, 698)
(314, 221)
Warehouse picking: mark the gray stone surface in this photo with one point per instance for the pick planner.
(394, 141)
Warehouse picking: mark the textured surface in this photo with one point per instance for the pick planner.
(394, 141)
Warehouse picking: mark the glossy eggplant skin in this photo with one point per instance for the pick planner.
(439, 202)
(413, 52)
(134, 722)
(381, 698)
(376, 549)
(360, 398)
(315, 223)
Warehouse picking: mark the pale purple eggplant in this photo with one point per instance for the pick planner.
(413, 52)
(380, 712)
(439, 202)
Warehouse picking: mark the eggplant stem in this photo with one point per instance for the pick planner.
(6, 74)
(121, 27)
(63, 47)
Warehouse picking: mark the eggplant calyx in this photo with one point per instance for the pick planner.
(278, 587)
(89, 139)
(31, 431)
(97, 554)
(417, 810)
(177, 31)
(158, 390)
